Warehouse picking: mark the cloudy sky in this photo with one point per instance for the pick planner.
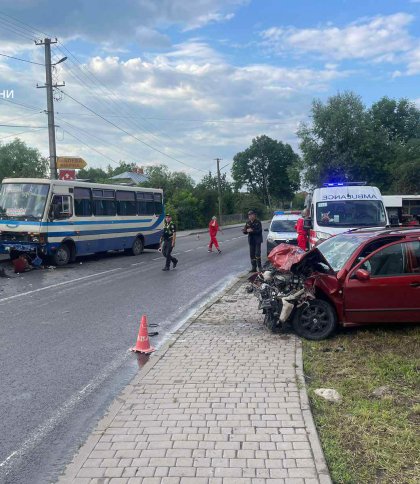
(182, 82)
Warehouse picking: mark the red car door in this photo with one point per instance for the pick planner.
(391, 293)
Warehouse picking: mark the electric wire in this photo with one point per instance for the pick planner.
(20, 133)
(108, 94)
(101, 140)
(22, 60)
(21, 104)
(21, 126)
(130, 134)
(32, 31)
(89, 146)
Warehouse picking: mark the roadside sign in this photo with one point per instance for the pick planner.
(67, 175)
(71, 163)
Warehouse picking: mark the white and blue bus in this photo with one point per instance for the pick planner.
(65, 219)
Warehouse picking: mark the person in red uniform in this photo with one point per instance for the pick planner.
(213, 229)
(302, 233)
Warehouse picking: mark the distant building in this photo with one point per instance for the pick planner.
(131, 177)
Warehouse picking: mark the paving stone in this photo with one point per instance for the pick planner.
(212, 410)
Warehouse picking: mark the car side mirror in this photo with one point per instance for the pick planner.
(307, 223)
(362, 275)
(265, 230)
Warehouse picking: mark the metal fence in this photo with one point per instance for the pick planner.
(233, 218)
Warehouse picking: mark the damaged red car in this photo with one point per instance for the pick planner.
(356, 278)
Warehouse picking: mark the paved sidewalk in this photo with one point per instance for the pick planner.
(223, 403)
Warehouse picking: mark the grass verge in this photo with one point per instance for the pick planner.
(368, 438)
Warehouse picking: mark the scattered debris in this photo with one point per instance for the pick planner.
(381, 391)
(328, 394)
(335, 350)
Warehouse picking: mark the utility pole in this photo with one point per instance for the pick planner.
(49, 86)
(219, 190)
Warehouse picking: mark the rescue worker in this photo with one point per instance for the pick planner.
(167, 242)
(302, 238)
(254, 230)
(213, 229)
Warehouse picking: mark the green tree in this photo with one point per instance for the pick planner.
(249, 201)
(268, 170)
(17, 160)
(207, 192)
(399, 119)
(95, 175)
(347, 142)
(334, 145)
(186, 209)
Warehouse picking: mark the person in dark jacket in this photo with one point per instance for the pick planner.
(254, 230)
(168, 242)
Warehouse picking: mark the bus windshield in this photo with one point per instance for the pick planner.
(23, 201)
(351, 213)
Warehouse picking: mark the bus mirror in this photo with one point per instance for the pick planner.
(307, 223)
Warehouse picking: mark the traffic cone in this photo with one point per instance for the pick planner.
(143, 343)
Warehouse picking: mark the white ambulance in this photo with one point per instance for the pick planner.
(340, 207)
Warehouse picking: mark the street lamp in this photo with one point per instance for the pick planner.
(59, 62)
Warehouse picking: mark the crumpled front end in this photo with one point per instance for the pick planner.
(290, 280)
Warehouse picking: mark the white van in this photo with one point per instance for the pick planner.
(282, 229)
(339, 207)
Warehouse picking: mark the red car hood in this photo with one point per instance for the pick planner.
(291, 258)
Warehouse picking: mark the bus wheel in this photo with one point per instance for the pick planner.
(137, 247)
(62, 255)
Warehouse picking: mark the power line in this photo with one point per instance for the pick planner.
(130, 134)
(22, 60)
(24, 116)
(14, 29)
(21, 126)
(21, 132)
(90, 147)
(117, 150)
(21, 104)
(110, 95)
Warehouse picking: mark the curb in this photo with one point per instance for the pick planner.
(71, 470)
(315, 443)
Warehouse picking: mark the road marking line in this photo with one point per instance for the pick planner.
(189, 250)
(37, 435)
(10, 456)
(138, 263)
(157, 258)
(59, 284)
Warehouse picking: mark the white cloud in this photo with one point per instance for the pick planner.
(190, 103)
(413, 61)
(379, 38)
(140, 21)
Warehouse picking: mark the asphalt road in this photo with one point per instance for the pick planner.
(64, 337)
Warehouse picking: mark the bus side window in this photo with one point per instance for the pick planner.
(82, 202)
(126, 203)
(158, 204)
(61, 207)
(150, 204)
(104, 203)
(141, 203)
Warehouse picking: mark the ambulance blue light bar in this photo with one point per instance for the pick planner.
(345, 184)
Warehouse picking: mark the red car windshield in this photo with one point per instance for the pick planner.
(337, 250)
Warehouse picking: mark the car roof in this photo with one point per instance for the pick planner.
(374, 232)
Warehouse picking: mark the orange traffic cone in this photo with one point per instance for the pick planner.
(143, 343)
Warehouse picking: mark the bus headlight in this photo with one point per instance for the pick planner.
(38, 238)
